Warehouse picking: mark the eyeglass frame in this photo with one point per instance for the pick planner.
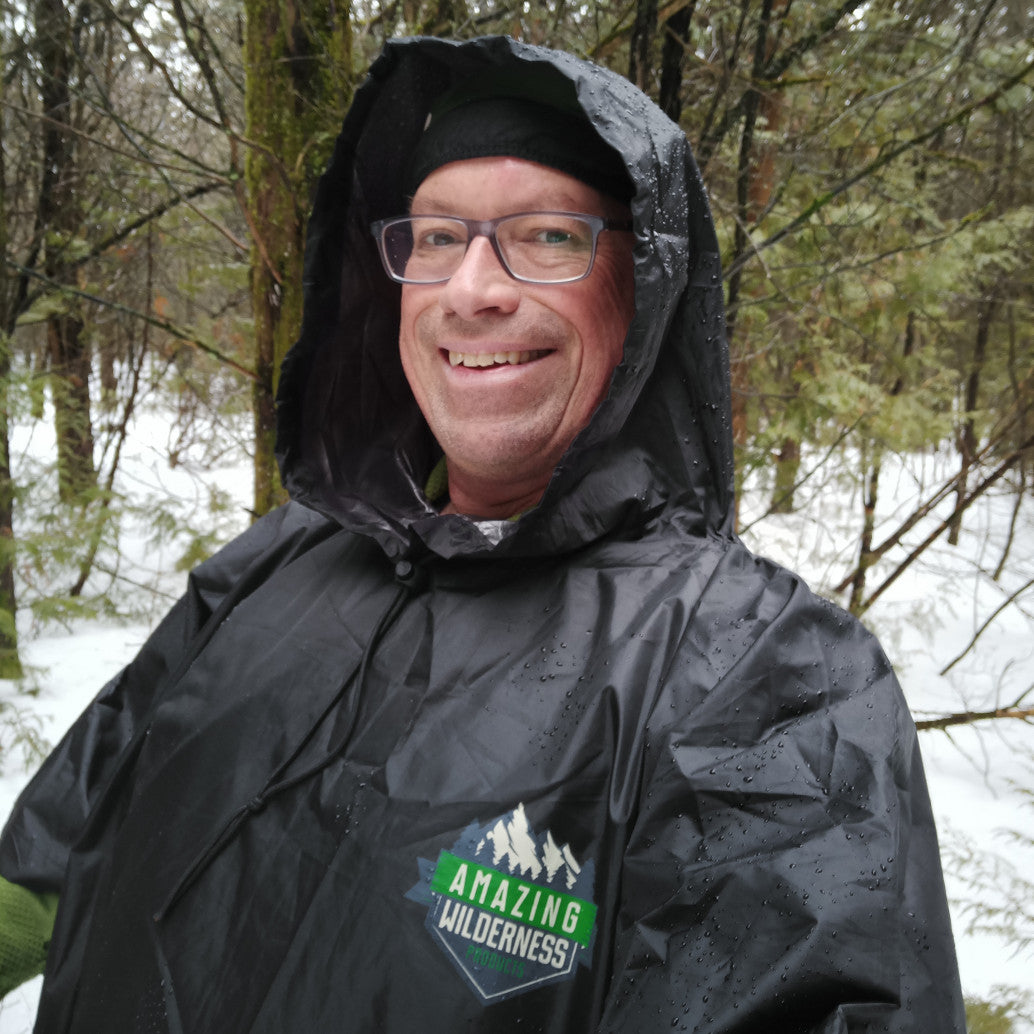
(487, 228)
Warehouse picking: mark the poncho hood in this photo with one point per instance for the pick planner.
(352, 443)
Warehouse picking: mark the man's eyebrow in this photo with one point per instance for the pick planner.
(431, 205)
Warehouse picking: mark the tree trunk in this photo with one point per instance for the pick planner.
(643, 29)
(10, 662)
(673, 60)
(967, 434)
(788, 465)
(866, 557)
(446, 18)
(58, 222)
(70, 388)
(746, 202)
(298, 61)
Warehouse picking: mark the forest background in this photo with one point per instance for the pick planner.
(870, 171)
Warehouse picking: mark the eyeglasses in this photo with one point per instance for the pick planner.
(534, 247)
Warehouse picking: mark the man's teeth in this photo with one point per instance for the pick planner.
(474, 359)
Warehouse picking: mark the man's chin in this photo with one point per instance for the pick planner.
(503, 460)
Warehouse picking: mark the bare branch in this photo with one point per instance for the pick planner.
(192, 36)
(1023, 714)
(1010, 461)
(926, 508)
(987, 624)
(163, 69)
(136, 152)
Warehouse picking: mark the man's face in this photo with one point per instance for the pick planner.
(550, 348)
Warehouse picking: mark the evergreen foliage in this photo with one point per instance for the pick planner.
(988, 1018)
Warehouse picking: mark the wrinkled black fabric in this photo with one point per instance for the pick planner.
(236, 822)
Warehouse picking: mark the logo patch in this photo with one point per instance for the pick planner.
(511, 910)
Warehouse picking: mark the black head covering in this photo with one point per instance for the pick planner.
(536, 118)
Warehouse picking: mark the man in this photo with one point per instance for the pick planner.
(497, 727)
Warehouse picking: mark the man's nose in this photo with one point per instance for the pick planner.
(480, 284)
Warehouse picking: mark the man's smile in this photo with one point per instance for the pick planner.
(485, 359)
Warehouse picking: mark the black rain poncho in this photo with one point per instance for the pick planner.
(596, 769)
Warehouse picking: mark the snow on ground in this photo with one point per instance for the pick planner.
(928, 617)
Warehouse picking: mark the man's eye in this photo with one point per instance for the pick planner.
(438, 239)
(555, 236)
(564, 235)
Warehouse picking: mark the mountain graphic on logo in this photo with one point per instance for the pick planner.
(509, 907)
(511, 842)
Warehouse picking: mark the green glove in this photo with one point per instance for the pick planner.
(26, 923)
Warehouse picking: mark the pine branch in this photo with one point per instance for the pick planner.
(709, 142)
(880, 161)
(161, 324)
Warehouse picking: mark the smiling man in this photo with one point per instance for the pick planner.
(497, 727)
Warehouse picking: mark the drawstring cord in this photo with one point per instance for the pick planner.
(278, 783)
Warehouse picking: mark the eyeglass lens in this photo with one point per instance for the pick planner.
(541, 246)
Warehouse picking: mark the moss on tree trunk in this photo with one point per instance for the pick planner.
(299, 82)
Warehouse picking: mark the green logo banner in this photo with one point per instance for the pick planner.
(552, 911)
